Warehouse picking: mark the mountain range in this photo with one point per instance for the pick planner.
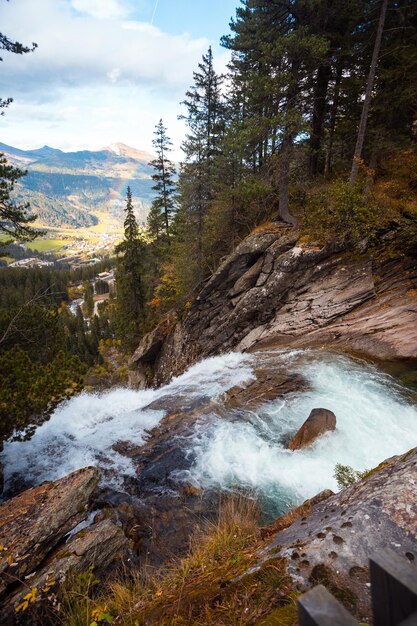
(71, 189)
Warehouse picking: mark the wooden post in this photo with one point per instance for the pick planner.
(410, 621)
(319, 608)
(393, 588)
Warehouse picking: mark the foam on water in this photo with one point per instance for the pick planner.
(83, 430)
(375, 420)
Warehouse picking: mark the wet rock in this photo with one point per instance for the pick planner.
(343, 531)
(34, 522)
(101, 547)
(40, 543)
(268, 385)
(319, 422)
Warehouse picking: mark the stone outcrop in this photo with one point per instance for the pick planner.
(332, 543)
(276, 289)
(319, 422)
(39, 542)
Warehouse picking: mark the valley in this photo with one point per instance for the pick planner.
(82, 190)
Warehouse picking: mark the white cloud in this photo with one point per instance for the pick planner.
(78, 48)
(102, 9)
(93, 81)
(92, 117)
(114, 75)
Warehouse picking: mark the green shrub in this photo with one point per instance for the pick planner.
(347, 476)
(339, 211)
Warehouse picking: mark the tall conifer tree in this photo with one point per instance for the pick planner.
(131, 291)
(14, 218)
(161, 213)
(205, 123)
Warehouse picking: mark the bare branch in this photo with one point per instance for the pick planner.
(38, 297)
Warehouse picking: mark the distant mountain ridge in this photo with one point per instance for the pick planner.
(69, 188)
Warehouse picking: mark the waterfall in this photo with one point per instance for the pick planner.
(376, 419)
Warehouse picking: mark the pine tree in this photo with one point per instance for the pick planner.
(274, 54)
(161, 212)
(131, 291)
(14, 218)
(205, 122)
(368, 95)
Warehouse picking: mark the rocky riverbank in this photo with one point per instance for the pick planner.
(49, 533)
(277, 289)
(44, 536)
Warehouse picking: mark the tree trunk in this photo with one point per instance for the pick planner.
(332, 124)
(165, 197)
(284, 165)
(319, 108)
(372, 168)
(286, 148)
(368, 95)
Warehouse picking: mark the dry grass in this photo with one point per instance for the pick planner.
(210, 586)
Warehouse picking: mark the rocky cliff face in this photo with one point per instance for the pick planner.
(277, 289)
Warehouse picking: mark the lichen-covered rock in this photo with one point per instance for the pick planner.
(319, 422)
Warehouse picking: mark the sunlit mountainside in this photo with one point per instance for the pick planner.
(68, 189)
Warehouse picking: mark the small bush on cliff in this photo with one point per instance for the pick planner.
(347, 476)
(77, 604)
(341, 212)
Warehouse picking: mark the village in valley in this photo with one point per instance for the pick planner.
(74, 254)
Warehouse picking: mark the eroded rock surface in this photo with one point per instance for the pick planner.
(277, 290)
(334, 541)
(38, 549)
(319, 422)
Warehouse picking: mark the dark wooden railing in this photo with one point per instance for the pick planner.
(393, 593)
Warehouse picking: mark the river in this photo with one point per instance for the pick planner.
(376, 418)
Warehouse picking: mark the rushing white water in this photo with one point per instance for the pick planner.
(83, 430)
(375, 420)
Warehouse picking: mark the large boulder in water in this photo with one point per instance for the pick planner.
(319, 421)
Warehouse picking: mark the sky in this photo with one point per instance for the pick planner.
(105, 71)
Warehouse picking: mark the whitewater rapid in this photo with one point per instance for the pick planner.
(376, 419)
(83, 430)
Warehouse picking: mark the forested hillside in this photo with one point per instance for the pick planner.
(45, 348)
(314, 125)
